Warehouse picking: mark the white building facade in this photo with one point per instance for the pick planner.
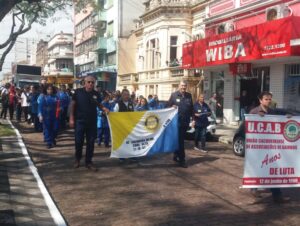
(60, 67)
(162, 30)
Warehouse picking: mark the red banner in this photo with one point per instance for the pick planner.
(268, 40)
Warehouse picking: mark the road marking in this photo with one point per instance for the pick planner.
(55, 213)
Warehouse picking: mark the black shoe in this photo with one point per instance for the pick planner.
(176, 159)
(77, 164)
(49, 146)
(107, 146)
(183, 164)
(54, 142)
(91, 167)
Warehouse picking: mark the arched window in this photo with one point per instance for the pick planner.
(152, 54)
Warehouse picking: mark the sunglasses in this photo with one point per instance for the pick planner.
(91, 82)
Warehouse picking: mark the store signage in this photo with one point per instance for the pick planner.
(272, 152)
(262, 41)
(240, 69)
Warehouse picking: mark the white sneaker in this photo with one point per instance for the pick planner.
(196, 148)
(204, 151)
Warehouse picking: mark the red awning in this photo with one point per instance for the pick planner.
(277, 38)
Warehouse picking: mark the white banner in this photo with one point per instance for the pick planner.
(272, 156)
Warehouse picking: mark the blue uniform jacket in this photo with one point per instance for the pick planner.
(64, 99)
(203, 110)
(47, 106)
(141, 108)
(102, 121)
(152, 104)
(34, 103)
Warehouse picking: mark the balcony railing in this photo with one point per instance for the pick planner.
(170, 3)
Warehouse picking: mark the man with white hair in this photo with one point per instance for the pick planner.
(83, 117)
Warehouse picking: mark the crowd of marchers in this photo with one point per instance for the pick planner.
(48, 109)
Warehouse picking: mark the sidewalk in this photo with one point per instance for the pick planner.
(225, 133)
(22, 199)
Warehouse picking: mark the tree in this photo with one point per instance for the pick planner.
(26, 12)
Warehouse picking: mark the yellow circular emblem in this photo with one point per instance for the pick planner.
(152, 122)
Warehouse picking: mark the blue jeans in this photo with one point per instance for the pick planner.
(103, 132)
(200, 135)
(85, 131)
(243, 112)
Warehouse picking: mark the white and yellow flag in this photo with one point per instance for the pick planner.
(142, 133)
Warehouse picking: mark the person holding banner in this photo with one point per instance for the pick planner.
(83, 117)
(201, 113)
(182, 100)
(124, 105)
(265, 100)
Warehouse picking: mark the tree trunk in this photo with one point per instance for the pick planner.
(6, 7)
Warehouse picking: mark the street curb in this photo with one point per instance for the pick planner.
(225, 140)
(53, 209)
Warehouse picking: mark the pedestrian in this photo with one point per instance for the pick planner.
(18, 104)
(213, 104)
(64, 99)
(5, 100)
(83, 116)
(142, 106)
(201, 113)
(102, 123)
(244, 104)
(151, 102)
(47, 113)
(25, 102)
(183, 101)
(34, 109)
(124, 105)
(12, 101)
(265, 100)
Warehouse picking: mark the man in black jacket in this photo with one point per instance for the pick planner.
(183, 101)
(83, 117)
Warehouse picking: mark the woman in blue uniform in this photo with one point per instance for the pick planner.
(201, 113)
(143, 106)
(47, 112)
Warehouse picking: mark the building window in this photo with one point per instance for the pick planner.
(151, 90)
(221, 29)
(102, 59)
(110, 29)
(173, 48)
(111, 58)
(293, 70)
(272, 14)
(152, 53)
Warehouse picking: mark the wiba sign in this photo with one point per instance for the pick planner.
(263, 41)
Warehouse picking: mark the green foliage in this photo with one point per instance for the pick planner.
(6, 130)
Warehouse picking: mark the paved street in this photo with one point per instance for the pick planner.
(154, 191)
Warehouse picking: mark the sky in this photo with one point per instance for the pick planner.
(63, 22)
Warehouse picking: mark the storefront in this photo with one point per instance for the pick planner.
(254, 59)
(66, 80)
